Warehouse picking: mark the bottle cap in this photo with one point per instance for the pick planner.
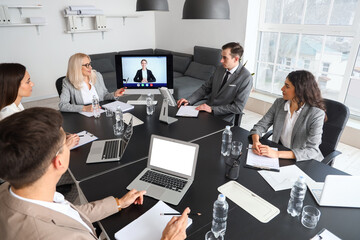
(228, 127)
(221, 197)
(301, 179)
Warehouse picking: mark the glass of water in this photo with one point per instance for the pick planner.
(236, 149)
(150, 104)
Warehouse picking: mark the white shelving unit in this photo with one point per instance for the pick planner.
(20, 8)
(73, 29)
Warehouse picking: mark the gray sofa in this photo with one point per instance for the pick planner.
(190, 71)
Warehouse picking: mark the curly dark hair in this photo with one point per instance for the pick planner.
(306, 89)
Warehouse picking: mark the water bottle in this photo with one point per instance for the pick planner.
(297, 196)
(220, 212)
(226, 141)
(149, 104)
(119, 119)
(96, 107)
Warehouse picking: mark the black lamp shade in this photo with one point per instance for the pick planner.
(152, 5)
(206, 9)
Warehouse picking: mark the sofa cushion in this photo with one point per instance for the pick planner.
(177, 74)
(201, 71)
(208, 56)
(185, 86)
(102, 65)
(110, 81)
(180, 64)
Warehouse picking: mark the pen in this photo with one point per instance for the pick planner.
(250, 148)
(178, 214)
(262, 168)
(80, 135)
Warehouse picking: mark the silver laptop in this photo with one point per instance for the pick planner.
(170, 169)
(337, 191)
(111, 149)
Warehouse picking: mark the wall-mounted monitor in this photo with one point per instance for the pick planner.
(142, 74)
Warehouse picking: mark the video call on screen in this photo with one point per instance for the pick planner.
(156, 64)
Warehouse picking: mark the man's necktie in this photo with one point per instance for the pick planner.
(225, 80)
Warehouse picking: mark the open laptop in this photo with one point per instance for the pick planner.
(170, 169)
(337, 191)
(111, 149)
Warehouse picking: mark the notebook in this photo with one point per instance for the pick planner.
(170, 169)
(337, 191)
(111, 149)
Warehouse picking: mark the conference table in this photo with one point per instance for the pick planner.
(186, 129)
(210, 174)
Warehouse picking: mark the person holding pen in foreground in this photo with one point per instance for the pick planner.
(81, 84)
(33, 158)
(297, 119)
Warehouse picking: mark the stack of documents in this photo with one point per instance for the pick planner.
(187, 111)
(150, 225)
(261, 162)
(91, 114)
(115, 104)
(85, 137)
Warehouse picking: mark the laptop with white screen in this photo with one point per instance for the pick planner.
(170, 169)
(337, 191)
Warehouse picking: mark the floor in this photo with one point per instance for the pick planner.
(348, 161)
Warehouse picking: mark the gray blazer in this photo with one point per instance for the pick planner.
(307, 132)
(24, 220)
(232, 97)
(71, 99)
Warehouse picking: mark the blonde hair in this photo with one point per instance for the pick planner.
(74, 73)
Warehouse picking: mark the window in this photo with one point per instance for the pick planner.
(312, 35)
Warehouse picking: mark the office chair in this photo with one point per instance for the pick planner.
(58, 84)
(337, 117)
(238, 118)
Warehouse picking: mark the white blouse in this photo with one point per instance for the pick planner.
(87, 94)
(289, 123)
(10, 109)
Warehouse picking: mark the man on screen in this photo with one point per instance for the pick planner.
(144, 75)
(33, 158)
(228, 89)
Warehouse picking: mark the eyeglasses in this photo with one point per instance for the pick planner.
(87, 65)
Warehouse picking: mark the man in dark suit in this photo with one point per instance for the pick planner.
(144, 75)
(228, 89)
(33, 158)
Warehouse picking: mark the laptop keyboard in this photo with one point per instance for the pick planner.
(163, 180)
(111, 149)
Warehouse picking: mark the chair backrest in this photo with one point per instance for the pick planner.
(337, 117)
(58, 84)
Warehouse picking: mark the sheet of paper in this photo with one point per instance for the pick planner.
(85, 137)
(90, 114)
(136, 121)
(113, 105)
(261, 161)
(325, 234)
(284, 179)
(148, 226)
(187, 111)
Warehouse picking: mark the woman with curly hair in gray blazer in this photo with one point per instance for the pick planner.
(297, 119)
(81, 84)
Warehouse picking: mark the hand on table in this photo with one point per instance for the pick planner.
(87, 108)
(182, 101)
(133, 196)
(204, 107)
(72, 140)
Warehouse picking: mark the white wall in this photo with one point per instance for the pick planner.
(174, 33)
(46, 55)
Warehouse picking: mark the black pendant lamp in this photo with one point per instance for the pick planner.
(152, 5)
(206, 9)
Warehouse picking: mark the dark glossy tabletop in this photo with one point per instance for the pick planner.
(210, 174)
(187, 129)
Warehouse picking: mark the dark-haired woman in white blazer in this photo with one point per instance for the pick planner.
(297, 119)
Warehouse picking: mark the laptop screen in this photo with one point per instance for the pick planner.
(173, 156)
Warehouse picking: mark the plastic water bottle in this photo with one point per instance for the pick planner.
(226, 141)
(297, 196)
(119, 119)
(149, 104)
(96, 107)
(220, 212)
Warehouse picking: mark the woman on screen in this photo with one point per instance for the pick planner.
(81, 84)
(15, 84)
(297, 119)
(144, 75)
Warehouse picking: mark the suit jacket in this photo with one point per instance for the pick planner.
(232, 97)
(24, 220)
(71, 99)
(307, 131)
(150, 77)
